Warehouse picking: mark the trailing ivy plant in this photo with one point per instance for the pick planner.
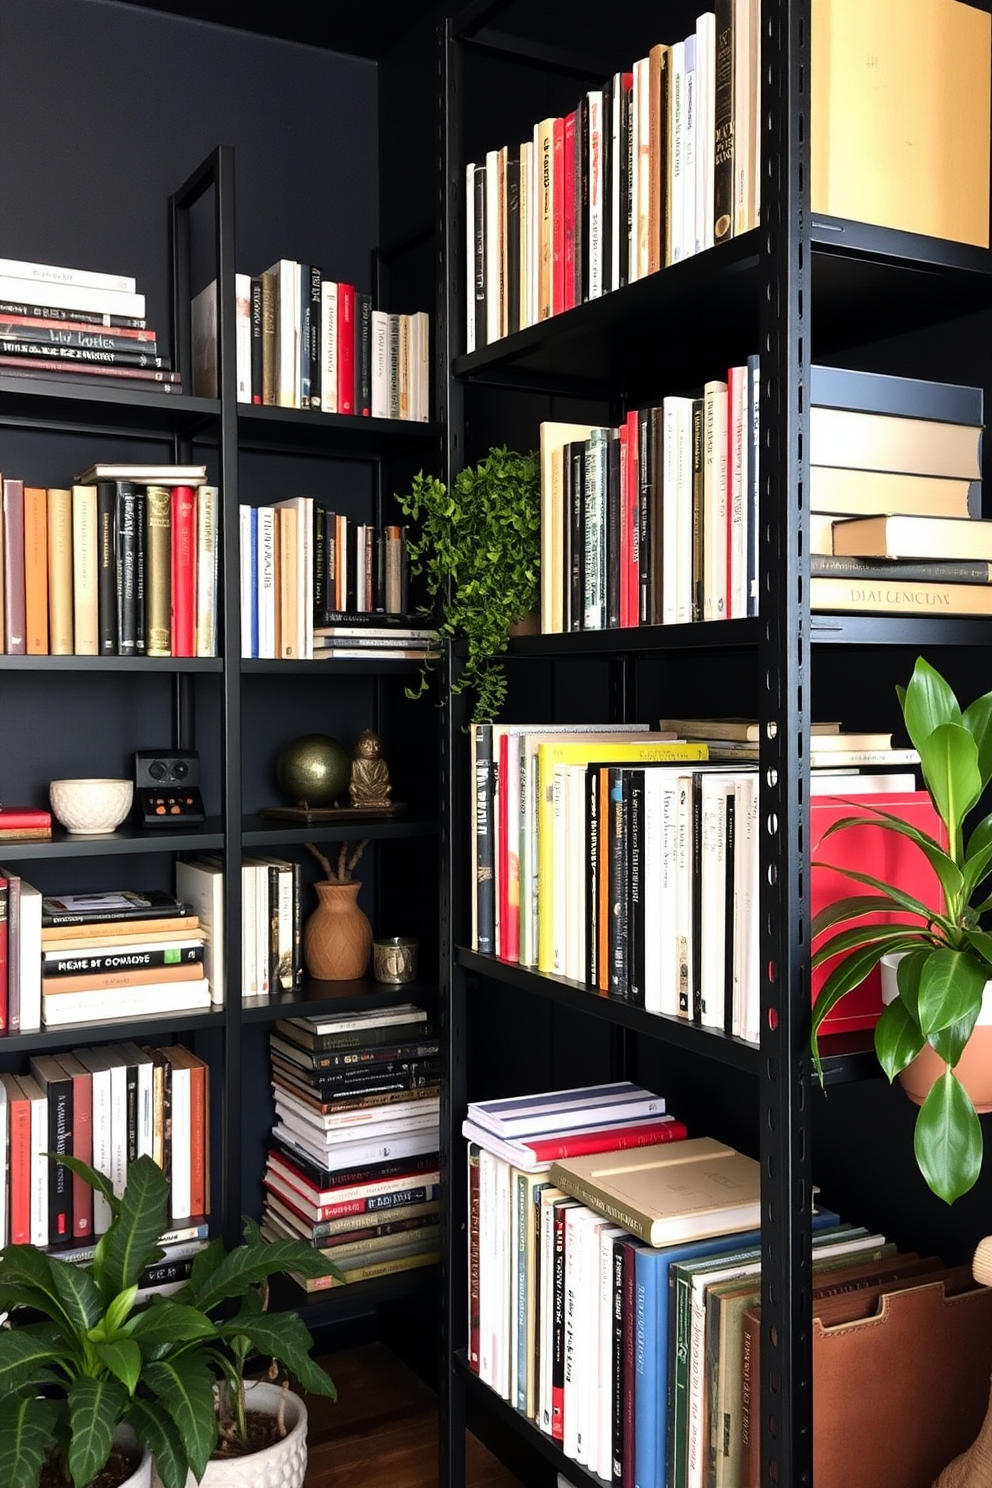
(478, 547)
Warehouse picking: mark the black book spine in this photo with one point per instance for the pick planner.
(303, 351)
(140, 636)
(880, 571)
(131, 1094)
(619, 1248)
(576, 510)
(126, 617)
(106, 502)
(363, 355)
(484, 846)
(81, 317)
(614, 509)
(617, 867)
(480, 256)
(59, 1178)
(729, 835)
(321, 1043)
(273, 927)
(319, 563)
(297, 925)
(635, 887)
(582, 200)
(626, 175)
(40, 352)
(255, 304)
(42, 334)
(313, 336)
(513, 244)
(697, 508)
(395, 1074)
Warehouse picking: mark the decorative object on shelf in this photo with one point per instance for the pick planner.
(88, 808)
(478, 547)
(314, 770)
(973, 1469)
(370, 784)
(167, 788)
(946, 957)
(171, 1370)
(394, 958)
(337, 938)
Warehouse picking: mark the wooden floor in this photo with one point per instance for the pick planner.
(382, 1432)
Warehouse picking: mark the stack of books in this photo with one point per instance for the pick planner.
(312, 578)
(307, 341)
(353, 1166)
(111, 955)
(106, 1105)
(78, 325)
(657, 164)
(895, 496)
(122, 563)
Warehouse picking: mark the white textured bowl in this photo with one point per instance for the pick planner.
(87, 807)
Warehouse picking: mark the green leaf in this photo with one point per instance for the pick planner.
(951, 988)
(900, 900)
(981, 941)
(897, 1038)
(850, 909)
(185, 1388)
(27, 1425)
(250, 1264)
(978, 721)
(841, 980)
(79, 1294)
(116, 1315)
(949, 760)
(95, 1409)
(167, 1321)
(946, 868)
(283, 1336)
(28, 1355)
(132, 1240)
(156, 1429)
(27, 1279)
(949, 1042)
(927, 703)
(898, 938)
(122, 1357)
(947, 1140)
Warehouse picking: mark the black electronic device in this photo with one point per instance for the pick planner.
(167, 788)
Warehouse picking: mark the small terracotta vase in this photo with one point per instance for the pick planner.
(337, 938)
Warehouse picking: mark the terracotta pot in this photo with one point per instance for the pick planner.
(974, 1069)
(337, 938)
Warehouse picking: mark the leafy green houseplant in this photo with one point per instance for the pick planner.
(478, 547)
(80, 1358)
(946, 959)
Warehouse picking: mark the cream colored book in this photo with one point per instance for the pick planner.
(899, 131)
(685, 1190)
(913, 537)
(60, 606)
(845, 491)
(882, 441)
(86, 637)
(899, 597)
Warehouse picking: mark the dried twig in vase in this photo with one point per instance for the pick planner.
(347, 861)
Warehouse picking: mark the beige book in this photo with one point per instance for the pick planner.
(900, 597)
(544, 138)
(60, 626)
(747, 67)
(899, 130)
(913, 537)
(640, 123)
(207, 567)
(36, 571)
(657, 166)
(65, 937)
(673, 1191)
(158, 571)
(526, 178)
(843, 491)
(883, 441)
(554, 436)
(84, 567)
(287, 598)
(821, 534)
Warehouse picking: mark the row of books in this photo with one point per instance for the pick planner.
(653, 522)
(107, 1105)
(271, 920)
(304, 340)
(615, 1301)
(658, 164)
(627, 859)
(78, 325)
(122, 563)
(314, 581)
(353, 1166)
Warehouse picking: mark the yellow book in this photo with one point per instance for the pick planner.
(552, 753)
(899, 130)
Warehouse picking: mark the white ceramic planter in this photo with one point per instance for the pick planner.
(142, 1475)
(283, 1465)
(974, 1068)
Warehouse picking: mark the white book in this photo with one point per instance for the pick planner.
(303, 507)
(84, 572)
(715, 500)
(603, 1467)
(559, 847)
(553, 436)
(265, 582)
(676, 148)
(349, 1154)
(328, 346)
(746, 990)
(683, 411)
(420, 356)
(97, 1061)
(594, 248)
(129, 1052)
(505, 1278)
(738, 433)
(574, 802)
(850, 783)
(285, 917)
(617, 209)
(62, 1009)
(534, 247)
(201, 885)
(41, 276)
(487, 1267)
(689, 130)
(661, 788)
(492, 248)
(526, 212)
(180, 1202)
(242, 335)
(640, 176)
(246, 520)
(684, 895)
(62, 296)
(390, 1120)
(714, 788)
(29, 970)
(380, 364)
(260, 881)
(207, 568)
(39, 1160)
(705, 113)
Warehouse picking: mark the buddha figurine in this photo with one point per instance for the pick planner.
(370, 784)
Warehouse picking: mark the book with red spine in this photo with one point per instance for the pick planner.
(626, 543)
(533, 1154)
(18, 1162)
(183, 571)
(346, 348)
(326, 1184)
(632, 517)
(307, 1201)
(417, 1193)
(508, 865)
(25, 822)
(568, 211)
(558, 220)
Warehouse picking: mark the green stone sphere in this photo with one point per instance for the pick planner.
(315, 769)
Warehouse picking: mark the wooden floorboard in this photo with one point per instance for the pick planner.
(382, 1432)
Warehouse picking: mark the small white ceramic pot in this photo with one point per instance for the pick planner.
(89, 807)
(974, 1068)
(283, 1465)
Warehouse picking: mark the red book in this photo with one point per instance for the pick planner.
(82, 1142)
(24, 822)
(508, 868)
(329, 1193)
(346, 348)
(632, 507)
(884, 855)
(183, 570)
(419, 1192)
(568, 205)
(4, 933)
(558, 302)
(19, 1161)
(473, 1257)
(13, 567)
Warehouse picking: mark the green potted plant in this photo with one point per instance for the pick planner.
(945, 957)
(478, 547)
(83, 1365)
